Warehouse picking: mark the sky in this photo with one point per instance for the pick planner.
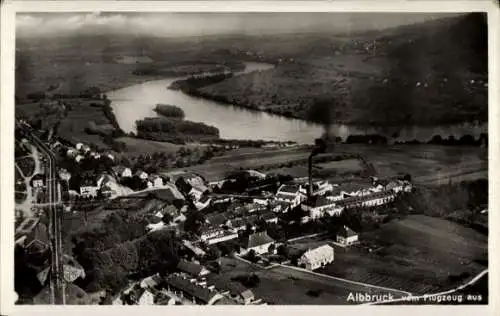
(199, 24)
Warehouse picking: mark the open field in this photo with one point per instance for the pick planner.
(424, 162)
(421, 161)
(217, 167)
(418, 254)
(342, 166)
(144, 146)
(282, 285)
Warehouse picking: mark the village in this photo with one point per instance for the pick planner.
(215, 220)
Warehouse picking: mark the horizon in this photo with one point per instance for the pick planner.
(175, 25)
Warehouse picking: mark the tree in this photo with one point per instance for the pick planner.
(272, 247)
(283, 251)
(252, 256)
(167, 218)
(214, 253)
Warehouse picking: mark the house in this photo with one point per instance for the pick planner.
(122, 171)
(269, 217)
(110, 156)
(191, 289)
(374, 199)
(292, 194)
(71, 152)
(105, 179)
(107, 192)
(192, 268)
(218, 219)
(155, 226)
(203, 203)
(258, 242)
(85, 149)
(347, 236)
(38, 181)
(89, 188)
(316, 258)
(64, 175)
(197, 251)
(234, 290)
(193, 187)
(136, 295)
(241, 223)
(279, 206)
(55, 145)
(216, 235)
(141, 174)
(79, 146)
(319, 206)
(321, 187)
(350, 189)
(336, 194)
(155, 181)
(79, 158)
(146, 298)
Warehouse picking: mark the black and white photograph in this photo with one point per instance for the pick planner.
(250, 158)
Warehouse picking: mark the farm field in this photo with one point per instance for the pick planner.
(423, 162)
(282, 285)
(348, 165)
(143, 146)
(418, 254)
(218, 167)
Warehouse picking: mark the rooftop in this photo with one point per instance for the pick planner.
(346, 232)
(190, 267)
(257, 239)
(290, 188)
(193, 289)
(364, 198)
(318, 253)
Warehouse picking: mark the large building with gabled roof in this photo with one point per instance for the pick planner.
(258, 242)
(316, 258)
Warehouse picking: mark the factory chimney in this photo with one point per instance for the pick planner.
(319, 147)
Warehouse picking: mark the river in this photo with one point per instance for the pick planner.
(138, 101)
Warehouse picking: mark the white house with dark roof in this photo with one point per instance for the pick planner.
(316, 258)
(292, 194)
(71, 152)
(85, 149)
(369, 200)
(122, 171)
(203, 203)
(192, 268)
(79, 158)
(347, 236)
(320, 206)
(193, 290)
(258, 242)
(233, 289)
(79, 146)
(89, 188)
(155, 181)
(141, 174)
(216, 235)
(322, 187)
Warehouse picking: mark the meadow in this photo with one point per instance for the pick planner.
(283, 285)
(419, 254)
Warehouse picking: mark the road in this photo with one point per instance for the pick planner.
(55, 219)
